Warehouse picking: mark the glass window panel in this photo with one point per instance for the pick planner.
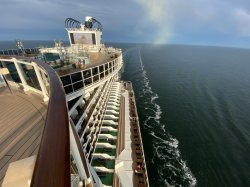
(101, 68)
(68, 89)
(88, 81)
(86, 74)
(76, 77)
(66, 80)
(78, 85)
(95, 71)
(31, 77)
(101, 75)
(13, 75)
(106, 66)
(96, 78)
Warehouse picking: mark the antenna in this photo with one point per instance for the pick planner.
(20, 47)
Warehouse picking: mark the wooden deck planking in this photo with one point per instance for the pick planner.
(15, 113)
(22, 119)
(4, 160)
(35, 131)
(14, 107)
(7, 119)
(15, 133)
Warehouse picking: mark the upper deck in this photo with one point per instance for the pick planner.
(22, 120)
(94, 59)
(32, 126)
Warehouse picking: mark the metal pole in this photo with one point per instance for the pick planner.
(6, 82)
(21, 74)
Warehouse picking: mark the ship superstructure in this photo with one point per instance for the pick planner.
(89, 133)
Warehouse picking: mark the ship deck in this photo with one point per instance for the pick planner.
(129, 145)
(22, 119)
(95, 58)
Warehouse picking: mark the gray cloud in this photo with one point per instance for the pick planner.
(132, 20)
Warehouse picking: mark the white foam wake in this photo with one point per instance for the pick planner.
(148, 90)
(165, 146)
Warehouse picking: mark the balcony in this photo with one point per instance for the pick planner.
(34, 125)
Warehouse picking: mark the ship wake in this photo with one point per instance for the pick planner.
(172, 171)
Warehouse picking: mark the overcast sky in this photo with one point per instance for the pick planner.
(207, 22)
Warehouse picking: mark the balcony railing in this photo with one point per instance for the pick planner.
(90, 78)
(52, 166)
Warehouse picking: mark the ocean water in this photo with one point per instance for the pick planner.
(194, 109)
(194, 105)
(5, 45)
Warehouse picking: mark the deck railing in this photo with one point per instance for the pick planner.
(19, 51)
(52, 167)
(86, 79)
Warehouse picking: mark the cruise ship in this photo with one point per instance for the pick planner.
(66, 118)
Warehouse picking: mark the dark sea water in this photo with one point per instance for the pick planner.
(194, 109)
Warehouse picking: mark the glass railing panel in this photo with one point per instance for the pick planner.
(76, 77)
(101, 68)
(66, 80)
(78, 85)
(94, 71)
(96, 78)
(106, 66)
(86, 73)
(88, 81)
(101, 75)
(31, 77)
(106, 72)
(12, 75)
(68, 89)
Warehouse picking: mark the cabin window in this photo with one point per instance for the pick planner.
(72, 38)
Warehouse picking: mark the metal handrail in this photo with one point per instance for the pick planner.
(52, 167)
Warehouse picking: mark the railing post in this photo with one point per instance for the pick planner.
(21, 74)
(41, 83)
(44, 79)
